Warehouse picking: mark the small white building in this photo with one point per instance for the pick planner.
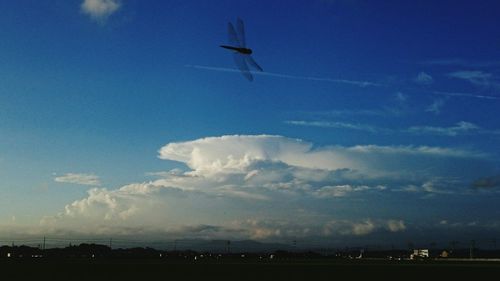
(419, 253)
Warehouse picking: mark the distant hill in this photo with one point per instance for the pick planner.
(223, 246)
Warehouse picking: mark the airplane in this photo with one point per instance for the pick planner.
(241, 54)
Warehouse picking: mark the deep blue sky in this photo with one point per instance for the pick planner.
(87, 94)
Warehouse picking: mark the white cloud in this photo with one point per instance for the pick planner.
(436, 186)
(424, 79)
(111, 204)
(98, 199)
(343, 190)
(120, 211)
(83, 179)
(100, 9)
(433, 186)
(345, 227)
(460, 128)
(396, 225)
(363, 228)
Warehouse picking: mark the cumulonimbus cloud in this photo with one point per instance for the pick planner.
(237, 152)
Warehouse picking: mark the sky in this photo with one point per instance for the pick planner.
(372, 121)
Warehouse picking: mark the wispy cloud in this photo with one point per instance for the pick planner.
(435, 106)
(400, 97)
(460, 128)
(476, 77)
(415, 150)
(432, 187)
(460, 62)
(338, 125)
(349, 112)
(287, 76)
(467, 95)
(83, 179)
(424, 79)
(100, 10)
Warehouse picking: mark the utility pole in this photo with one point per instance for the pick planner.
(454, 245)
(228, 246)
(110, 243)
(411, 246)
(471, 250)
(43, 248)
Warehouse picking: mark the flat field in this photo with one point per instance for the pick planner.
(239, 269)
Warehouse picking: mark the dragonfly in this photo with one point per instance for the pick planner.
(241, 54)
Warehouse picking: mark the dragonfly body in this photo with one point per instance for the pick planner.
(241, 55)
(244, 51)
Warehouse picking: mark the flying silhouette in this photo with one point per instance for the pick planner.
(241, 55)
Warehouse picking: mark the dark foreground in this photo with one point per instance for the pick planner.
(148, 269)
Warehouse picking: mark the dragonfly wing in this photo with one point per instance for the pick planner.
(251, 62)
(239, 59)
(241, 32)
(233, 38)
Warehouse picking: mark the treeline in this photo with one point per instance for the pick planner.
(90, 251)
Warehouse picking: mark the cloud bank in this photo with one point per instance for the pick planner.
(265, 187)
